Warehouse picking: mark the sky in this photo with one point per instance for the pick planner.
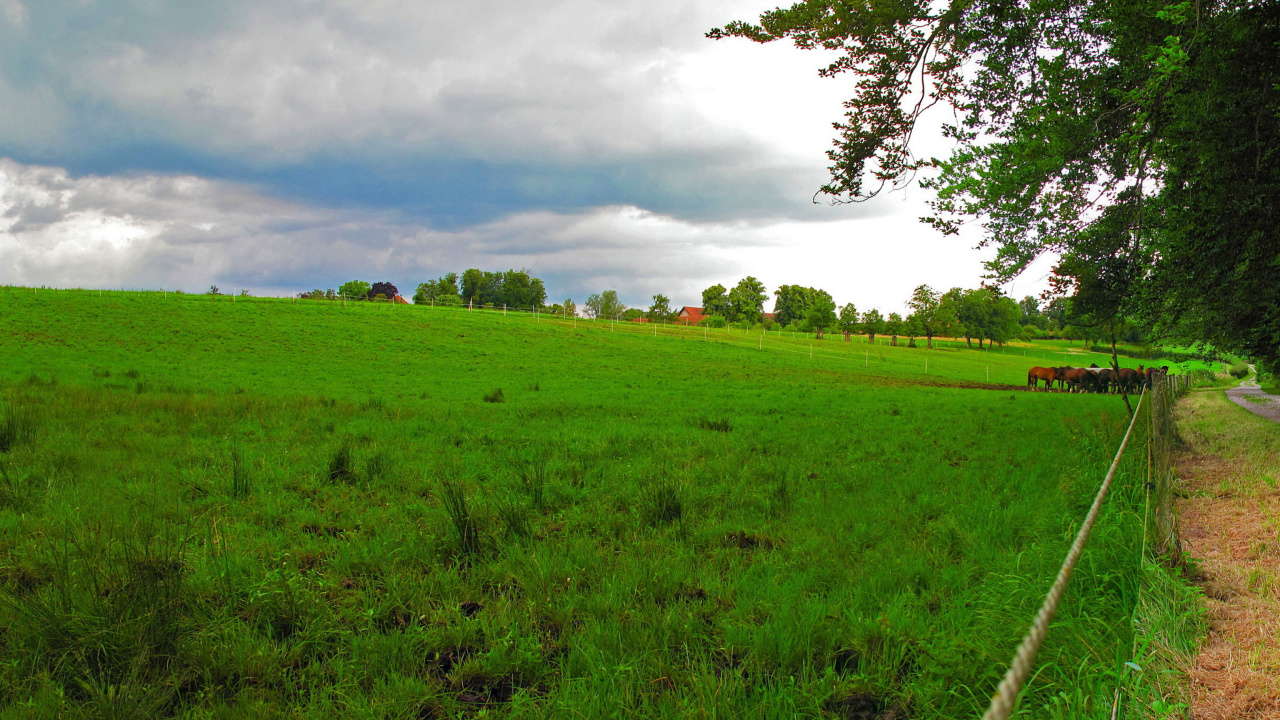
(282, 145)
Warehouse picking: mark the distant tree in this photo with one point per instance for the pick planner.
(822, 313)
(714, 321)
(354, 290)
(632, 314)
(715, 301)
(872, 324)
(384, 288)
(893, 328)
(746, 301)
(928, 309)
(912, 328)
(1028, 311)
(849, 320)
(604, 305)
(430, 291)
(660, 310)
(213, 290)
(448, 301)
(610, 305)
(570, 308)
(1004, 326)
(471, 281)
(791, 303)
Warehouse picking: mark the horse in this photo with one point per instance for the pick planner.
(1129, 378)
(1106, 379)
(1060, 374)
(1153, 372)
(1079, 379)
(1036, 374)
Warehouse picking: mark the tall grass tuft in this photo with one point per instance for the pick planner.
(241, 485)
(715, 424)
(377, 469)
(663, 503)
(533, 477)
(467, 531)
(495, 396)
(17, 427)
(515, 519)
(342, 465)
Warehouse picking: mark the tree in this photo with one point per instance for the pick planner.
(715, 301)
(791, 302)
(746, 301)
(893, 327)
(849, 320)
(384, 288)
(821, 315)
(1136, 139)
(519, 289)
(913, 329)
(1029, 311)
(929, 311)
(354, 290)
(872, 324)
(428, 292)
(660, 310)
(1003, 325)
(569, 308)
(471, 280)
(604, 305)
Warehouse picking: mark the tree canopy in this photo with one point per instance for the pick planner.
(1134, 139)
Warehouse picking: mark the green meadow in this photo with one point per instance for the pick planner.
(269, 508)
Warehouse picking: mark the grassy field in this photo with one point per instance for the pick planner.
(298, 509)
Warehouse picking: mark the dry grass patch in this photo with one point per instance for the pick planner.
(1231, 524)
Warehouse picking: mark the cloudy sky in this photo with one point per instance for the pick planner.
(281, 145)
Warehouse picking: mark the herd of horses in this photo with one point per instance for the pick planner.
(1094, 378)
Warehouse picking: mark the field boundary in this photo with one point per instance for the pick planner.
(1163, 539)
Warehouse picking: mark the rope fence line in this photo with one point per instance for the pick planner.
(1160, 537)
(1007, 692)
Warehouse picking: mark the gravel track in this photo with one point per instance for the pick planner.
(1249, 396)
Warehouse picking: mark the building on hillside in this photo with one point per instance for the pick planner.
(399, 300)
(690, 315)
(693, 316)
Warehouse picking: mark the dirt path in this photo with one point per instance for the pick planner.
(1249, 396)
(1230, 521)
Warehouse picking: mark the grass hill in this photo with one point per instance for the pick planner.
(218, 508)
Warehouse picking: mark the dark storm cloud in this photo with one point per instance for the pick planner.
(455, 112)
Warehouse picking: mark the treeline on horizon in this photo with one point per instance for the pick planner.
(983, 314)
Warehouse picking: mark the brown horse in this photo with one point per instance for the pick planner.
(1106, 379)
(1036, 374)
(1079, 379)
(1129, 379)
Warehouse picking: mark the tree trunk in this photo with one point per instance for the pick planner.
(893, 341)
(1115, 365)
(846, 336)
(969, 342)
(979, 343)
(871, 338)
(928, 341)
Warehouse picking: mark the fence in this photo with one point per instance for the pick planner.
(1160, 533)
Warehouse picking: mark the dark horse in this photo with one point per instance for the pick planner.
(1079, 379)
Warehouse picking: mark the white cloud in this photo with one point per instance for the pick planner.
(187, 232)
(15, 12)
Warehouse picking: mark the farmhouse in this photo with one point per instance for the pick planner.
(690, 315)
(693, 316)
